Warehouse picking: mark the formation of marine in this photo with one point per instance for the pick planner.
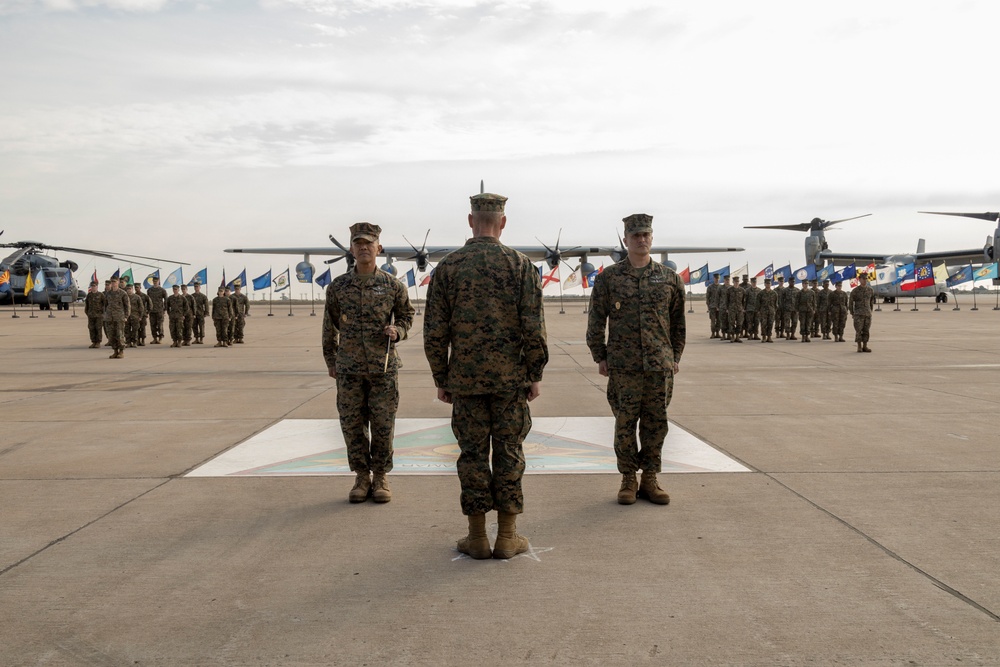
(122, 312)
(741, 311)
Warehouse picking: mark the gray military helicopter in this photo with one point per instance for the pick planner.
(818, 253)
(60, 288)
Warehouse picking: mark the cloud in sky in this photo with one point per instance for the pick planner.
(723, 113)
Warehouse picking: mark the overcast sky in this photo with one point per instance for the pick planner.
(177, 128)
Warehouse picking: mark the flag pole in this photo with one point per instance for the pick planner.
(562, 309)
(270, 294)
(312, 296)
(291, 294)
(13, 301)
(975, 306)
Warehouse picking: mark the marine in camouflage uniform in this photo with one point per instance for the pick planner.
(366, 310)
(241, 311)
(484, 337)
(779, 320)
(136, 313)
(158, 304)
(712, 299)
(200, 312)
(188, 315)
(641, 306)
(814, 288)
(767, 307)
(93, 308)
(222, 312)
(724, 308)
(147, 303)
(753, 293)
(177, 309)
(823, 310)
(116, 312)
(745, 322)
(790, 309)
(807, 308)
(838, 311)
(735, 299)
(860, 303)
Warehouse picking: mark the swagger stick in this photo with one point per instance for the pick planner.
(388, 344)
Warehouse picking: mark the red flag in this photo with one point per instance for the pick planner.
(551, 277)
(426, 279)
(686, 275)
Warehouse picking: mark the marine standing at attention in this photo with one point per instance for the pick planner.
(222, 312)
(367, 310)
(790, 307)
(861, 302)
(177, 309)
(241, 311)
(767, 307)
(735, 301)
(158, 304)
(779, 314)
(136, 313)
(116, 312)
(484, 337)
(640, 303)
(94, 310)
(807, 308)
(147, 303)
(188, 314)
(838, 311)
(200, 312)
(712, 298)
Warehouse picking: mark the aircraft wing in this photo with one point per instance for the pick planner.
(536, 253)
(396, 252)
(857, 257)
(972, 255)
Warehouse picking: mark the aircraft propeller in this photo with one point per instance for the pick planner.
(816, 224)
(348, 255)
(420, 256)
(553, 255)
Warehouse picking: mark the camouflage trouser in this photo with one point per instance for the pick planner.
(839, 321)
(188, 327)
(142, 328)
(805, 323)
(132, 330)
(363, 401)
(156, 325)
(724, 321)
(221, 330)
(766, 318)
(483, 422)
(96, 327)
(116, 334)
(862, 326)
(751, 319)
(713, 318)
(199, 326)
(735, 321)
(639, 399)
(779, 321)
(791, 320)
(237, 325)
(176, 329)
(825, 322)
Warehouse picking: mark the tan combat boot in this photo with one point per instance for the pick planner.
(865, 348)
(220, 344)
(362, 487)
(859, 346)
(509, 543)
(380, 488)
(476, 543)
(626, 494)
(649, 489)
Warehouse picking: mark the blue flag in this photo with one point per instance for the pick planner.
(985, 272)
(411, 278)
(324, 278)
(242, 278)
(201, 278)
(39, 282)
(264, 281)
(116, 274)
(826, 272)
(807, 272)
(963, 275)
(697, 276)
(147, 282)
(281, 282)
(722, 273)
(175, 278)
(785, 273)
(902, 272)
(304, 274)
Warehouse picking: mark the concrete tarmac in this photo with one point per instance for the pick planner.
(866, 533)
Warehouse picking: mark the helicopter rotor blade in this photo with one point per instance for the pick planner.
(992, 217)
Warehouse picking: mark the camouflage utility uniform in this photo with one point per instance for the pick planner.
(712, 299)
(116, 312)
(188, 315)
(241, 308)
(737, 296)
(823, 310)
(158, 303)
(861, 302)
(147, 305)
(93, 308)
(753, 294)
(484, 337)
(807, 307)
(177, 308)
(358, 308)
(134, 321)
(790, 309)
(200, 312)
(838, 313)
(222, 312)
(643, 313)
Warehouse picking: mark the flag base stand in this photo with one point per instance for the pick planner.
(312, 314)
(956, 308)
(973, 308)
(937, 307)
(270, 314)
(51, 315)
(15, 316)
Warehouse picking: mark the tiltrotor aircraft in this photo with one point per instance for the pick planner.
(817, 252)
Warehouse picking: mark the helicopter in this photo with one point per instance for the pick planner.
(59, 288)
(818, 254)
